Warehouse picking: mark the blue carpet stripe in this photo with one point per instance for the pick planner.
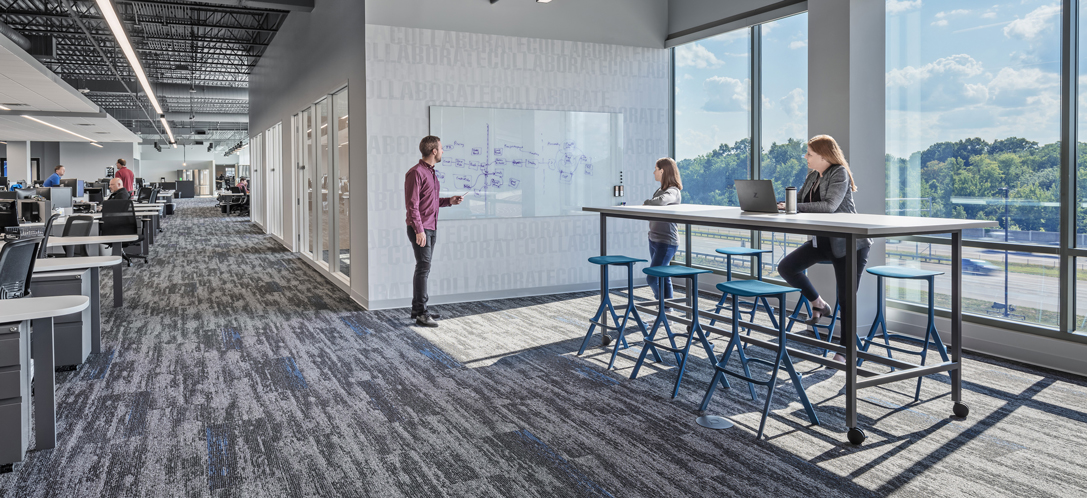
(585, 485)
(219, 456)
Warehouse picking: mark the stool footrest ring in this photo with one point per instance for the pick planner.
(601, 325)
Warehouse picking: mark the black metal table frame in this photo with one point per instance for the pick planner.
(849, 316)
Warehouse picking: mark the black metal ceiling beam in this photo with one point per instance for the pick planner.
(172, 22)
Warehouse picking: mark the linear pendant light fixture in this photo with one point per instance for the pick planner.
(114, 22)
(32, 118)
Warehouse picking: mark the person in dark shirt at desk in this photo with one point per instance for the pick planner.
(117, 186)
(54, 179)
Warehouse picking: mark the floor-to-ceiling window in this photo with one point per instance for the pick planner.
(712, 132)
(973, 131)
(733, 92)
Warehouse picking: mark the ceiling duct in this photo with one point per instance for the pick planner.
(15, 36)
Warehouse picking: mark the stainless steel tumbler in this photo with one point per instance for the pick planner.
(790, 200)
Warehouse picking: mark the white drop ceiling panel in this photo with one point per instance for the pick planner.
(27, 85)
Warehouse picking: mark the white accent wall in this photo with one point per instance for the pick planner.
(410, 69)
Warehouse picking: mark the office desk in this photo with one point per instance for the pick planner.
(94, 264)
(15, 337)
(850, 227)
(116, 240)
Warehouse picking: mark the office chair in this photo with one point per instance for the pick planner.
(16, 267)
(43, 252)
(119, 218)
(154, 194)
(77, 226)
(145, 195)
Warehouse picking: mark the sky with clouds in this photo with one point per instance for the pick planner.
(955, 70)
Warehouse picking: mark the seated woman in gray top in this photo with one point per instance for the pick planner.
(828, 188)
(663, 236)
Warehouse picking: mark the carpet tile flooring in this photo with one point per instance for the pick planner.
(235, 370)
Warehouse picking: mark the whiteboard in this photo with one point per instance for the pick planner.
(517, 163)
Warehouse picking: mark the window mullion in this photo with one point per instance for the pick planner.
(1069, 136)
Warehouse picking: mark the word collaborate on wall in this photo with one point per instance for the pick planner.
(514, 163)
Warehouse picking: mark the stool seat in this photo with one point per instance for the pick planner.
(673, 271)
(902, 272)
(754, 288)
(740, 251)
(614, 260)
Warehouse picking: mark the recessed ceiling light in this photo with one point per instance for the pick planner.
(2, 108)
(96, 145)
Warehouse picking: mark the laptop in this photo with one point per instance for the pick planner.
(757, 196)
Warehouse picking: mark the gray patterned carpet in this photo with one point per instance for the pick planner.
(235, 370)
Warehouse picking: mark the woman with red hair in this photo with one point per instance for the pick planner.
(828, 188)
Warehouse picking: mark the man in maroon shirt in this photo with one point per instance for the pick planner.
(422, 203)
(126, 175)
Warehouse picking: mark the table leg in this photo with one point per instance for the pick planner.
(604, 273)
(149, 231)
(118, 284)
(96, 311)
(688, 259)
(848, 287)
(144, 245)
(960, 409)
(45, 408)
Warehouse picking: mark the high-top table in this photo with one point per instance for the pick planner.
(116, 240)
(850, 227)
(15, 350)
(95, 264)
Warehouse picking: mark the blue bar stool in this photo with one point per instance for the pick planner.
(606, 305)
(932, 336)
(758, 289)
(695, 331)
(729, 252)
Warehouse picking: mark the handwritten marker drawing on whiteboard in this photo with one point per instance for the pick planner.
(561, 161)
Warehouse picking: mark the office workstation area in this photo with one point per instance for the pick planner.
(606, 248)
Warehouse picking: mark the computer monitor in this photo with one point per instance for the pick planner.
(8, 195)
(9, 214)
(3, 181)
(25, 193)
(75, 185)
(59, 197)
(94, 194)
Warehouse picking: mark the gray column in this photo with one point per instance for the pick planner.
(846, 100)
(19, 161)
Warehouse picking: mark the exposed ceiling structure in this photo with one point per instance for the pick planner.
(197, 56)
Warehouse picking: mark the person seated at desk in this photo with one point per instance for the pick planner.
(243, 185)
(54, 179)
(828, 188)
(117, 186)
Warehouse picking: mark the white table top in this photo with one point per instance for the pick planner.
(95, 239)
(877, 225)
(31, 308)
(62, 264)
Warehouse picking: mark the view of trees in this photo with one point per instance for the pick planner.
(949, 179)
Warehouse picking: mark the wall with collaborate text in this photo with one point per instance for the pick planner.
(409, 70)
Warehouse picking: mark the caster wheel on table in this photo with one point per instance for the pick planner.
(961, 410)
(856, 436)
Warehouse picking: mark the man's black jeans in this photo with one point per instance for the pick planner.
(423, 255)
